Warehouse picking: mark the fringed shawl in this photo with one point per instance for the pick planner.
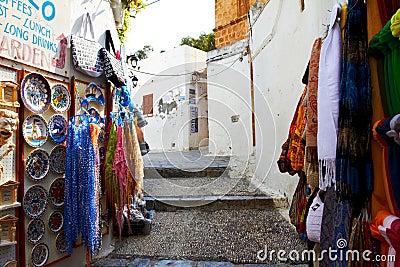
(353, 163)
(328, 100)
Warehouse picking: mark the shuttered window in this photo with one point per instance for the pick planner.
(148, 105)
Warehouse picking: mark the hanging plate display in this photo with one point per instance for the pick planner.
(36, 230)
(56, 192)
(37, 164)
(40, 254)
(58, 128)
(56, 221)
(34, 130)
(35, 92)
(60, 98)
(35, 201)
(57, 159)
(61, 245)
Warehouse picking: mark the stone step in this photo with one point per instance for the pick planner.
(208, 193)
(167, 172)
(223, 238)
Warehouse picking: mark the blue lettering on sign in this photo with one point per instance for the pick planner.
(52, 13)
(3, 11)
(33, 4)
(37, 27)
(48, 5)
(16, 31)
(21, 7)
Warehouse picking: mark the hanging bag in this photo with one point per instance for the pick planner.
(112, 65)
(86, 52)
(314, 219)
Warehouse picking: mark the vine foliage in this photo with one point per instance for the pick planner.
(131, 8)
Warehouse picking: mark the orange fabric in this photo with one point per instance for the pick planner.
(139, 133)
(297, 146)
(379, 195)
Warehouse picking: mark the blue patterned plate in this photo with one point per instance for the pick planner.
(36, 230)
(35, 130)
(57, 159)
(40, 254)
(56, 221)
(58, 128)
(61, 245)
(56, 192)
(35, 201)
(60, 98)
(37, 164)
(35, 92)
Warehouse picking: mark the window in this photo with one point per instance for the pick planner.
(243, 7)
(148, 105)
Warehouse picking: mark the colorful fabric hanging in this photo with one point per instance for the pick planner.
(133, 159)
(353, 162)
(120, 170)
(386, 48)
(391, 157)
(311, 167)
(291, 159)
(328, 100)
(387, 8)
(81, 195)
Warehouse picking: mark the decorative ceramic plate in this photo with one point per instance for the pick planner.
(56, 221)
(12, 263)
(57, 159)
(34, 130)
(61, 245)
(37, 164)
(40, 254)
(35, 201)
(56, 192)
(58, 128)
(35, 92)
(36, 230)
(60, 98)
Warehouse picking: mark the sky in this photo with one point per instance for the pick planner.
(163, 24)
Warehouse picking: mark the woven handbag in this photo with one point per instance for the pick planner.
(86, 52)
(112, 65)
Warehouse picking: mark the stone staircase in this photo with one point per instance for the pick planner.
(203, 217)
(191, 180)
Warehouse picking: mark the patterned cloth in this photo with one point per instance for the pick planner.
(291, 159)
(353, 162)
(311, 163)
(81, 202)
(335, 226)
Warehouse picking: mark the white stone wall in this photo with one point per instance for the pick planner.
(169, 127)
(281, 45)
(229, 96)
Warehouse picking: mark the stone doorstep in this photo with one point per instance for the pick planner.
(157, 173)
(213, 203)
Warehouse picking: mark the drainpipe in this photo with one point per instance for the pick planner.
(253, 119)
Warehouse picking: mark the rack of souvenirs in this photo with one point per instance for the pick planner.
(345, 155)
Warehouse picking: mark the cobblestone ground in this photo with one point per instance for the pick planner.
(225, 236)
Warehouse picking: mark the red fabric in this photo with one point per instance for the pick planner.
(387, 8)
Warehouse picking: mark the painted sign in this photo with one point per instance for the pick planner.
(33, 32)
(194, 120)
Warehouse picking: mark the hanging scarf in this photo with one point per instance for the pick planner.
(284, 162)
(133, 158)
(328, 101)
(81, 193)
(120, 170)
(353, 163)
(312, 116)
(391, 154)
(297, 144)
